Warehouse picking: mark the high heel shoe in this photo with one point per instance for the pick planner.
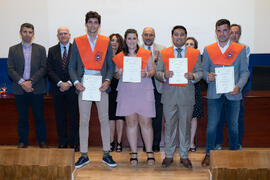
(118, 147)
(150, 160)
(133, 160)
(112, 146)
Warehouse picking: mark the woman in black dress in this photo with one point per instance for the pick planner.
(198, 107)
(115, 121)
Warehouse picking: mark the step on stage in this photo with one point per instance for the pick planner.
(53, 163)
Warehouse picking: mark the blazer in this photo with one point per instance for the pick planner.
(241, 74)
(158, 82)
(76, 67)
(16, 62)
(54, 67)
(181, 95)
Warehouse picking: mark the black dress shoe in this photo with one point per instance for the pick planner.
(156, 148)
(43, 145)
(76, 148)
(21, 145)
(62, 146)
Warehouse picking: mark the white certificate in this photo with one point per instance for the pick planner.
(92, 83)
(224, 79)
(179, 67)
(132, 69)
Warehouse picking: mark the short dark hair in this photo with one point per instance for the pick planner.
(125, 47)
(237, 25)
(222, 22)
(179, 27)
(195, 42)
(27, 25)
(119, 40)
(92, 14)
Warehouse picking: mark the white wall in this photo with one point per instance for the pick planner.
(197, 16)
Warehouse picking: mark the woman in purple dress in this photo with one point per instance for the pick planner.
(136, 101)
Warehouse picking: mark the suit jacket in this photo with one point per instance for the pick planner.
(158, 82)
(241, 74)
(54, 66)
(16, 62)
(179, 94)
(76, 67)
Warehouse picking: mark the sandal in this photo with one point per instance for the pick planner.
(192, 149)
(133, 160)
(149, 159)
(119, 147)
(112, 146)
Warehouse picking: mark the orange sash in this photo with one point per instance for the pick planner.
(143, 53)
(191, 54)
(229, 55)
(92, 60)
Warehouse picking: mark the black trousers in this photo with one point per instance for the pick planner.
(157, 121)
(66, 105)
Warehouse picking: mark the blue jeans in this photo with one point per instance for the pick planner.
(241, 123)
(215, 108)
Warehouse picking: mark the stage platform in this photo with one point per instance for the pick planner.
(96, 170)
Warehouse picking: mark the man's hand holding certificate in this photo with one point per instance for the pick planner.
(132, 69)
(224, 79)
(179, 67)
(92, 84)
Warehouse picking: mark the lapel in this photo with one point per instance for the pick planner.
(20, 51)
(58, 53)
(33, 55)
(69, 52)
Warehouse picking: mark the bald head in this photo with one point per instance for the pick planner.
(63, 35)
(148, 36)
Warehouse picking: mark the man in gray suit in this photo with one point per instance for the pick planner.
(178, 99)
(148, 37)
(27, 68)
(92, 55)
(220, 54)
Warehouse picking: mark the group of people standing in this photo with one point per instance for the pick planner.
(141, 105)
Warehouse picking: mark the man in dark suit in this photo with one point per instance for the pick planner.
(148, 37)
(27, 68)
(92, 56)
(64, 96)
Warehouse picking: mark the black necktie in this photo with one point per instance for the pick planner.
(64, 62)
(179, 50)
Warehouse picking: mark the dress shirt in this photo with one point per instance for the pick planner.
(183, 52)
(62, 52)
(223, 49)
(27, 51)
(92, 44)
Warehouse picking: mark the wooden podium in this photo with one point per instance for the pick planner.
(37, 164)
(240, 165)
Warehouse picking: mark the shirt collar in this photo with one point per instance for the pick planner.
(183, 48)
(90, 40)
(62, 45)
(27, 46)
(146, 47)
(226, 46)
